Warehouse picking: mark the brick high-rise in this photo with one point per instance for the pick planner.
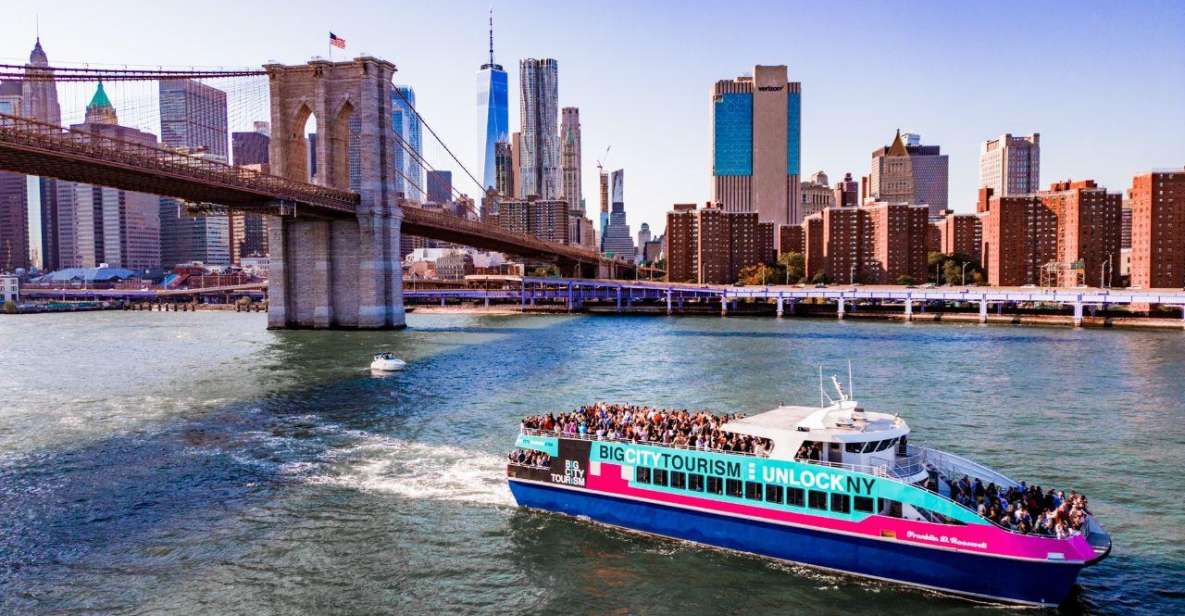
(248, 231)
(1089, 231)
(840, 244)
(545, 219)
(900, 235)
(961, 234)
(680, 243)
(1158, 230)
(1019, 237)
(712, 246)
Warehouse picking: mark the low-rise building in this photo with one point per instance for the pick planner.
(10, 289)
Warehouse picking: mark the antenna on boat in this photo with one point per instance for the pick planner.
(851, 390)
(822, 394)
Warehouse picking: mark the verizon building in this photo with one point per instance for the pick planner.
(756, 145)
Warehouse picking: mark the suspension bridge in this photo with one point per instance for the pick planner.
(333, 234)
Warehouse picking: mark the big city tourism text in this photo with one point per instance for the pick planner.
(770, 473)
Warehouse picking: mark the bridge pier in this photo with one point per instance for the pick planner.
(839, 308)
(1078, 312)
(908, 309)
(724, 304)
(668, 300)
(342, 273)
(779, 305)
(983, 310)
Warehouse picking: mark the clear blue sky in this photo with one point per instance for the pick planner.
(1103, 82)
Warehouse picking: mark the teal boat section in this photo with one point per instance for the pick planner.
(740, 470)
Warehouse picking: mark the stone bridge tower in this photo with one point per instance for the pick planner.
(345, 273)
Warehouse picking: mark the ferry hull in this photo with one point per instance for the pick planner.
(979, 576)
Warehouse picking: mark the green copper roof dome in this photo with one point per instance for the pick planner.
(100, 99)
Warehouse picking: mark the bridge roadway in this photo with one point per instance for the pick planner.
(36, 148)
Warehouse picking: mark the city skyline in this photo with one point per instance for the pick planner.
(665, 139)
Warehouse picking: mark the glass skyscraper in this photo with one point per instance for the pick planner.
(757, 143)
(539, 115)
(493, 119)
(407, 130)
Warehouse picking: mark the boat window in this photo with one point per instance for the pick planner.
(889, 507)
(773, 493)
(795, 497)
(642, 474)
(863, 503)
(873, 446)
(715, 485)
(810, 450)
(853, 447)
(752, 490)
(817, 500)
(678, 479)
(660, 477)
(841, 503)
(885, 444)
(903, 446)
(732, 487)
(695, 483)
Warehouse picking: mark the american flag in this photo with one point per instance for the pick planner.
(337, 41)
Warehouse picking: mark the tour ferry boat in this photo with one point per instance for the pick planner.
(866, 502)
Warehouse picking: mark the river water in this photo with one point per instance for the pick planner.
(196, 463)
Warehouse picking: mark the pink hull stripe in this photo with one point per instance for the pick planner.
(981, 539)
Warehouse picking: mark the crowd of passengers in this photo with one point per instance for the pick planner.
(1025, 509)
(643, 424)
(528, 457)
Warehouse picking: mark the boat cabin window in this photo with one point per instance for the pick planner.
(660, 477)
(817, 500)
(773, 493)
(642, 474)
(678, 479)
(695, 483)
(715, 485)
(810, 450)
(795, 497)
(841, 503)
(733, 487)
(889, 507)
(752, 490)
(903, 446)
(863, 504)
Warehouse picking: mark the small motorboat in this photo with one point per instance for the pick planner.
(386, 362)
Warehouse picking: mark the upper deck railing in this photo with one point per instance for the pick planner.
(23, 135)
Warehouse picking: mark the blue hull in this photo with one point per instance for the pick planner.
(1047, 583)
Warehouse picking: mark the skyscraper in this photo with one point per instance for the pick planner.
(908, 172)
(407, 132)
(1011, 165)
(570, 159)
(756, 144)
(493, 120)
(248, 231)
(538, 114)
(193, 117)
(35, 98)
(440, 186)
(617, 240)
(98, 224)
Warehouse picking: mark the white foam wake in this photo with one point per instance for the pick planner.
(418, 470)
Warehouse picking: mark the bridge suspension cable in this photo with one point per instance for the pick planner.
(74, 73)
(480, 187)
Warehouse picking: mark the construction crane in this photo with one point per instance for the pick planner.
(604, 159)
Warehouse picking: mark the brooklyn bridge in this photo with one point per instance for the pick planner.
(334, 250)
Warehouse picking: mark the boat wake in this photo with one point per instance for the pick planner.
(417, 470)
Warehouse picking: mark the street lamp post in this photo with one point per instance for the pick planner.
(852, 274)
(965, 272)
